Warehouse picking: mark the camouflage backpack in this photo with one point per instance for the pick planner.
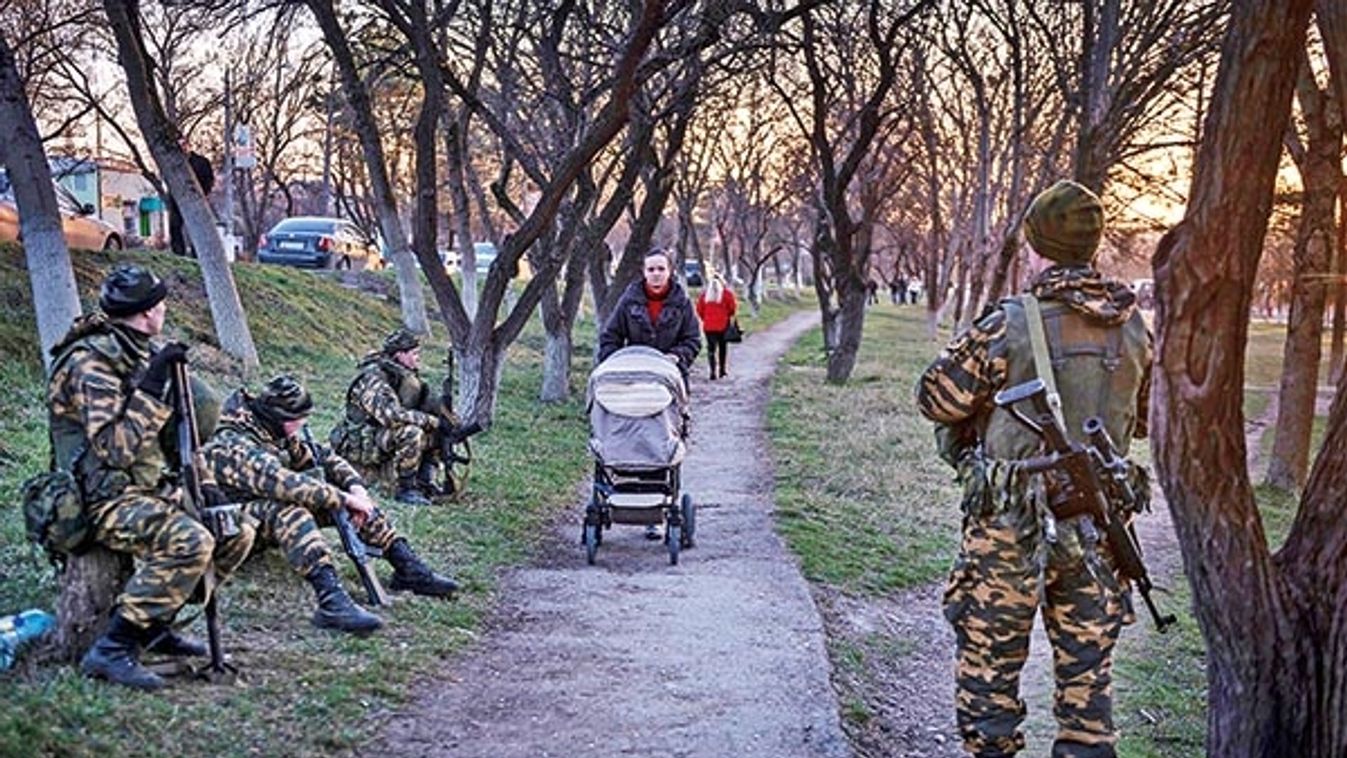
(54, 515)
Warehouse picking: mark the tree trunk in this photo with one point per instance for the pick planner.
(1321, 176)
(1332, 20)
(161, 135)
(1274, 628)
(89, 588)
(412, 296)
(55, 296)
(850, 322)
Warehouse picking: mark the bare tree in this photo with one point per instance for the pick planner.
(162, 137)
(1275, 650)
(55, 296)
(1320, 167)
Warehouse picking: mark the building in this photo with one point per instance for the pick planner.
(119, 192)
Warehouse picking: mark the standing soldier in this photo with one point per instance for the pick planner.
(392, 415)
(110, 401)
(260, 458)
(1016, 557)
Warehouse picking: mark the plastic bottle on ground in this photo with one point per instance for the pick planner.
(19, 629)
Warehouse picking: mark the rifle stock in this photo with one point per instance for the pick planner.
(351, 543)
(1086, 494)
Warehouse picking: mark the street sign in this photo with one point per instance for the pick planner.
(245, 156)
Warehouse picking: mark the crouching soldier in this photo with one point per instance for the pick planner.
(260, 458)
(391, 415)
(111, 415)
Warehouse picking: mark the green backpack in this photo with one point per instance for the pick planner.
(54, 515)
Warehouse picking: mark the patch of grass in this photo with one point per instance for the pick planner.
(306, 692)
(861, 496)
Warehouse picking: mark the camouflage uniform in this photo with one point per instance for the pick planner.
(282, 487)
(1015, 558)
(260, 459)
(391, 414)
(129, 488)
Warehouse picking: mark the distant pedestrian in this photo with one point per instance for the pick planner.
(205, 176)
(898, 291)
(871, 292)
(716, 308)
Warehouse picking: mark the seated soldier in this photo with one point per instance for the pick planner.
(392, 415)
(260, 458)
(111, 404)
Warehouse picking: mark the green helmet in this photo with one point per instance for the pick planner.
(1065, 223)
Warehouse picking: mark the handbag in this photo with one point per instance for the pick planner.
(733, 333)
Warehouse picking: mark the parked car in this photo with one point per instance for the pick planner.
(692, 274)
(83, 229)
(317, 242)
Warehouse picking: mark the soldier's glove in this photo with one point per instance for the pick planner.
(155, 380)
(221, 516)
(446, 427)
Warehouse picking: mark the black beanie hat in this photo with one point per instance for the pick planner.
(129, 290)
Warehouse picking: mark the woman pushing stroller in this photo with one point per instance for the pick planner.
(655, 312)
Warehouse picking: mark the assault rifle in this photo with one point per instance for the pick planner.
(447, 443)
(221, 521)
(355, 549)
(1096, 482)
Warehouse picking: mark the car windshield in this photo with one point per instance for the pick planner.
(323, 226)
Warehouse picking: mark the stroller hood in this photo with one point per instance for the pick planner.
(636, 402)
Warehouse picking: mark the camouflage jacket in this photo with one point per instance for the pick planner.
(957, 389)
(386, 394)
(249, 463)
(98, 415)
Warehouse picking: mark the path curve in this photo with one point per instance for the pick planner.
(722, 655)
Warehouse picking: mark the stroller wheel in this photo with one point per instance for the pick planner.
(674, 538)
(591, 542)
(689, 520)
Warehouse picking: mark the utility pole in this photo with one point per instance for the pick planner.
(228, 166)
(326, 197)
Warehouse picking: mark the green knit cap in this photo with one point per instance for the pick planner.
(401, 340)
(1065, 223)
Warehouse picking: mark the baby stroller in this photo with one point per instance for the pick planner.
(638, 416)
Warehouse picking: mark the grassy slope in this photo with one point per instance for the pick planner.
(869, 509)
(306, 692)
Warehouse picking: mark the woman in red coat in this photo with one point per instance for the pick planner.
(715, 307)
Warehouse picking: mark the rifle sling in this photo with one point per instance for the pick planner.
(1042, 361)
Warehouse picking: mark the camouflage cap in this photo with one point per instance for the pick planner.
(283, 399)
(129, 290)
(401, 340)
(1065, 223)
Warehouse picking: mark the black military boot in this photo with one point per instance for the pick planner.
(336, 609)
(164, 640)
(116, 657)
(411, 573)
(409, 491)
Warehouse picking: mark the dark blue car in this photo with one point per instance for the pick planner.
(317, 242)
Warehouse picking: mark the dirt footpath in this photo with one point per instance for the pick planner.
(722, 655)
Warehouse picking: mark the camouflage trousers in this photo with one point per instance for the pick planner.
(406, 445)
(295, 529)
(999, 583)
(172, 552)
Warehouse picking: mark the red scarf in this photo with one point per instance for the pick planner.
(654, 302)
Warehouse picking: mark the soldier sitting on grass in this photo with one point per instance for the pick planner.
(259, 457)
(391, 415)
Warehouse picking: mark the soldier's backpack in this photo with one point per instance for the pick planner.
(54, 515)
